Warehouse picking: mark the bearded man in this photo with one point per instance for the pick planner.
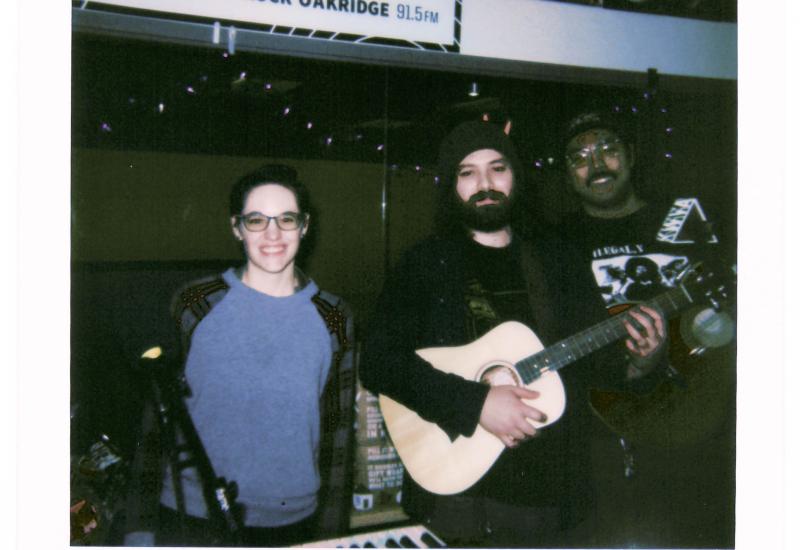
(475, 273)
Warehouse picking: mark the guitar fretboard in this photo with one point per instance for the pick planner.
(579, 345)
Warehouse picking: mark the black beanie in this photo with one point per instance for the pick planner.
(468, 137)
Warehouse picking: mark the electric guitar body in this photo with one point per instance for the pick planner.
(446, 466)
(683, 410)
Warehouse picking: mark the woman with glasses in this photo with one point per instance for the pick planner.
(261, 344)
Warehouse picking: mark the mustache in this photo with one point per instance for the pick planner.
(600, 175)
(491, 194)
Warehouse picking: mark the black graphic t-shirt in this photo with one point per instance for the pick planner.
(640, 256)
(495, 289)
(495, 292)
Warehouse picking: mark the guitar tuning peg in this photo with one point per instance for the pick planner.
(697, 351)
(712, 300)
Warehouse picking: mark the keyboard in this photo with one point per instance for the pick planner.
(411, 536)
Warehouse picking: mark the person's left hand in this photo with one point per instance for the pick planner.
(645, 326)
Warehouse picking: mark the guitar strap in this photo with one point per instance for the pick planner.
(538, 293)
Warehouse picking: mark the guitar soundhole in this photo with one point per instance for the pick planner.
(500, 375)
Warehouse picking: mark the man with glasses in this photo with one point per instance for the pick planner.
(475, 273)
(265, 352)
(635, 250)
(623, 235)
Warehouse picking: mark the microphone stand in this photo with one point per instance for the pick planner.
(168, 390)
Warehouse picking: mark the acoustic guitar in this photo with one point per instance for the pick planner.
(510, 354)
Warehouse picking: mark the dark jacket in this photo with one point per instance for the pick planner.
(422, 305)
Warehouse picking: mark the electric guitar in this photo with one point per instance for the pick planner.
(510, 354)
(697, 397)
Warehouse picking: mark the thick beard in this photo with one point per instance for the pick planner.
(492, 217)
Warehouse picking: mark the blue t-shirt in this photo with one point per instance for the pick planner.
(256, 367)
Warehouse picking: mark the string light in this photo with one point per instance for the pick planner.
(327, 140)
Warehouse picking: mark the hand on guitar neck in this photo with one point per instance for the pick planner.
(523, 376)
(505, 415)
(646, 343)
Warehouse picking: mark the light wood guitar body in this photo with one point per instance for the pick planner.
(512, 354)
(446, 466)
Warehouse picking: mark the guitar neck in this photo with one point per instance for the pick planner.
(579, 345)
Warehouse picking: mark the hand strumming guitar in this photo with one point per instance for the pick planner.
(505, 415)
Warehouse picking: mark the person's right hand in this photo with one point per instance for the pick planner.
(505, 415)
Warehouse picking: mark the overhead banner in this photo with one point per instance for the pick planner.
(572, 35)
(560, 34)
(430, 21)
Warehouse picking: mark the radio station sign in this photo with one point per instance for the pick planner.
(411, 20)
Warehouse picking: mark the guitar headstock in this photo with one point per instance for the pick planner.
(711, 322)
(704, 286)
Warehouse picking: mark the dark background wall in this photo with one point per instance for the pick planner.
(161, 131)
